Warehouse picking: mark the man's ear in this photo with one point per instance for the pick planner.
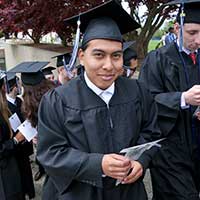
(81, 56)
(176, 28)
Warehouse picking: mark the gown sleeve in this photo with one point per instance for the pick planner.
(153, 76)
(149, 126)
(6, 146)
(63, 163)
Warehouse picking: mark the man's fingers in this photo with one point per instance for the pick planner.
(137, 171)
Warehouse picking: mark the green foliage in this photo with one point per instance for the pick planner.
(152, 45)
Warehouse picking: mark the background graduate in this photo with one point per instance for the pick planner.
(172, 74)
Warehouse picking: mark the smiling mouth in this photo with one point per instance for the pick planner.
(107, 77)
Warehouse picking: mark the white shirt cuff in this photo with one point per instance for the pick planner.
(183, 103)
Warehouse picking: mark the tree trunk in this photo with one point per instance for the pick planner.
(63, 39)
(155, 19)
(36, 40)
(34, 36)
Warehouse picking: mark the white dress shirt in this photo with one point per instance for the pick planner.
(11, 100)
(183, 103)
(105, 95)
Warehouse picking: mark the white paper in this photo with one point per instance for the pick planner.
(14, 122)
(27, 130)
(133, 153)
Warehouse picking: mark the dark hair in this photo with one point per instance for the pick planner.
(32, 97)
(85, 46)
(1, 82)
(4, 110)
(170, 29)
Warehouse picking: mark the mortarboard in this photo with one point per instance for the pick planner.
(128, 52)
(48, 70)
(62, 59)
(31, 73)
(106, 21)
(188, 13)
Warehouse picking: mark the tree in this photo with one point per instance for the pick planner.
(157, 12)
(41, 17)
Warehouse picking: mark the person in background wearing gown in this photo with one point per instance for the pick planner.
(172, 74)
(25, 149)
(130, 59)
(10, 179)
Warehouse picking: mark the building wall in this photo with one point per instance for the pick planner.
(17, 53)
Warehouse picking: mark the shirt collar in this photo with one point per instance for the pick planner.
(11, 100)
(97, 90)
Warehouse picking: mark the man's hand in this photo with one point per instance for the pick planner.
(192, 96)
(116, 166)
(198, 115)
(19, 137)
(136, 172)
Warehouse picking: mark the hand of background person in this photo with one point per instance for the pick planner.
(135, 173)
(116, 166)
(198, 115)
(19, 137)
(192, 96)
(34, 140)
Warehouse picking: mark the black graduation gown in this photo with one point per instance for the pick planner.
(76, 129)
(173, 174)
(10, 181)
(22, 153)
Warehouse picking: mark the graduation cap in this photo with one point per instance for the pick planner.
(188, 13)
(62, 59)
(48, 70)
(191, 10)
(106, 21)
(128, 52)
(31, 73)
(65, 60)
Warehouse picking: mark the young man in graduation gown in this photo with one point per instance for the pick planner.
(84, 124)
(25, 149)
(62, 61)
(130, 59)
(173, 77)
(48, 73)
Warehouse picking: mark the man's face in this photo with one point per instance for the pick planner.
(50, 77)
(63, 77)
(191, 36)
(102, 60)
(133, 66)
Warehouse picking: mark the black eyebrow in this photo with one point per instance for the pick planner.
(120, 51)
(99, 50)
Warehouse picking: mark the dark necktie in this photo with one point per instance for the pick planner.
(193, 57)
